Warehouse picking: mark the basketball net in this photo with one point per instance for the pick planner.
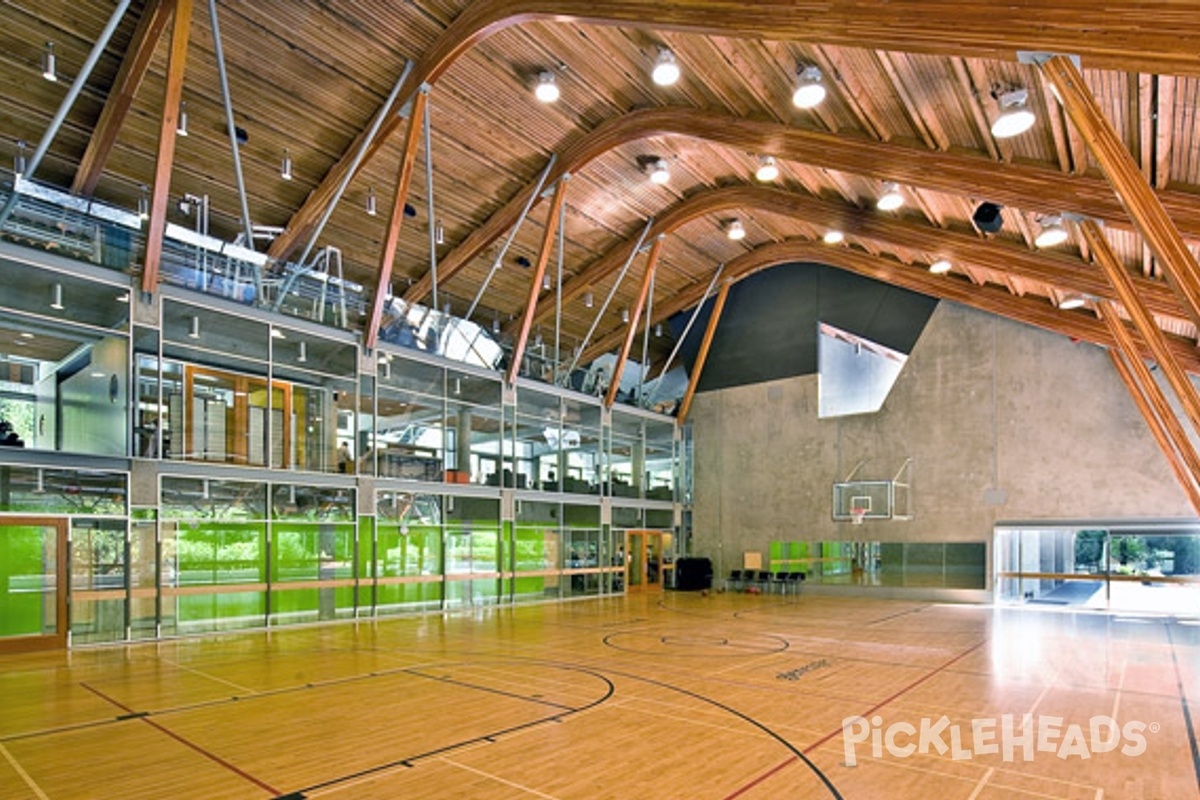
(857, 515)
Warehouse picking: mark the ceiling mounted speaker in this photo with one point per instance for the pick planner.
(987, 218)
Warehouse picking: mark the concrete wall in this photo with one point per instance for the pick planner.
(983, 404)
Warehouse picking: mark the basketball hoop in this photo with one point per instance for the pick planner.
(857, 515)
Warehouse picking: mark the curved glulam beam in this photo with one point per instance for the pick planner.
(963, 249)
(1075, 324)
(1021, 186)
(1121, 35)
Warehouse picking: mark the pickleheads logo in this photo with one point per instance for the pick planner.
(992, 736)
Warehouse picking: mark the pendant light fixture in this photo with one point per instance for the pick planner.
(546, 89)
(285, 166)
(810, 91)
(50, 63)
(735, 230)
(834, 237)
(768, 170)
(891, 199)
(1053, 232)
(181, 126)
(666, 68)
(372, 205)
(1014, 117)
(660, 171)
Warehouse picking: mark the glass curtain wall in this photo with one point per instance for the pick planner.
(407, 558)
(475, 556)
(313, 551)
(407, 440)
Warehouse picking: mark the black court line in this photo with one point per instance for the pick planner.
(211, 756)
(745, 648)
(916, 610)
(1183, 704)
(514, 695)
(491, 737)
(833, 791)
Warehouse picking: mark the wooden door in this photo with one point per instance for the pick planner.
(34, 564)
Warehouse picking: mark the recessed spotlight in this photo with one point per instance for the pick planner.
(940, 267)
(546, 89)
(768, 170)
(891, 199)
(1053, 232)
(810, 91)
(1014, 117)
(834, 237)
(735, 230)
(666, 68)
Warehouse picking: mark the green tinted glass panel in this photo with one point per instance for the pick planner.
(28, 558)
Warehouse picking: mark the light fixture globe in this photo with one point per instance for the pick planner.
(736, 231)
(546, 89)
(940, 267)
(1014, 117)
(666, 68)
(660, 172)
(768, 170)
(891, 199)
(1053, 233)
(834, 237)
(810, 91)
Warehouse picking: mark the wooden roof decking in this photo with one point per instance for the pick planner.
(910, 97)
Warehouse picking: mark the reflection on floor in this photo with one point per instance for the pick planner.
(659, 695)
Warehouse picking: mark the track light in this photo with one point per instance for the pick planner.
(891, 199)
(660, 172)
(768, 170)
(302, 358)
(19, 160)
(940, 267)
(194, 333)
(834, 237)
(144, 203)
(546, 89)
(625, 315)
(1072, 301)
(1053, 232)
(285, 167)
(181, 126)
(56, 300)
(372, 205)
(1014, 117)
(810, 91)
(735, 230)
(666, 68)
(50, 63)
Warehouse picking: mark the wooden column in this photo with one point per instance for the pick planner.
(1126, 178)
(535, 282)
(1143, 321)
(396, 220)
(634, 316)
(702, 356)
(176, 62)
(1155, 409)
(137, 59)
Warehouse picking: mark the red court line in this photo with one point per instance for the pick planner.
(906, 689)
(209, 755)
(760, 779)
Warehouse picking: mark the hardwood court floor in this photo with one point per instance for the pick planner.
(663, 696)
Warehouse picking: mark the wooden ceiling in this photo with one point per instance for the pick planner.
(911, 97)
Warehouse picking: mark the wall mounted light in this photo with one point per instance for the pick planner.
(1014, 117)
(940, 267)
(660, 171)
(546, 88)
(285, 166)
(834, 237)
(49, 63)
(891, 199)
(1053, 232)
(810, 91)
(56, 298)
(735, 230)
(194, 332)
(181, 125)
(666, 68)
(768, 170)
(371, 205)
